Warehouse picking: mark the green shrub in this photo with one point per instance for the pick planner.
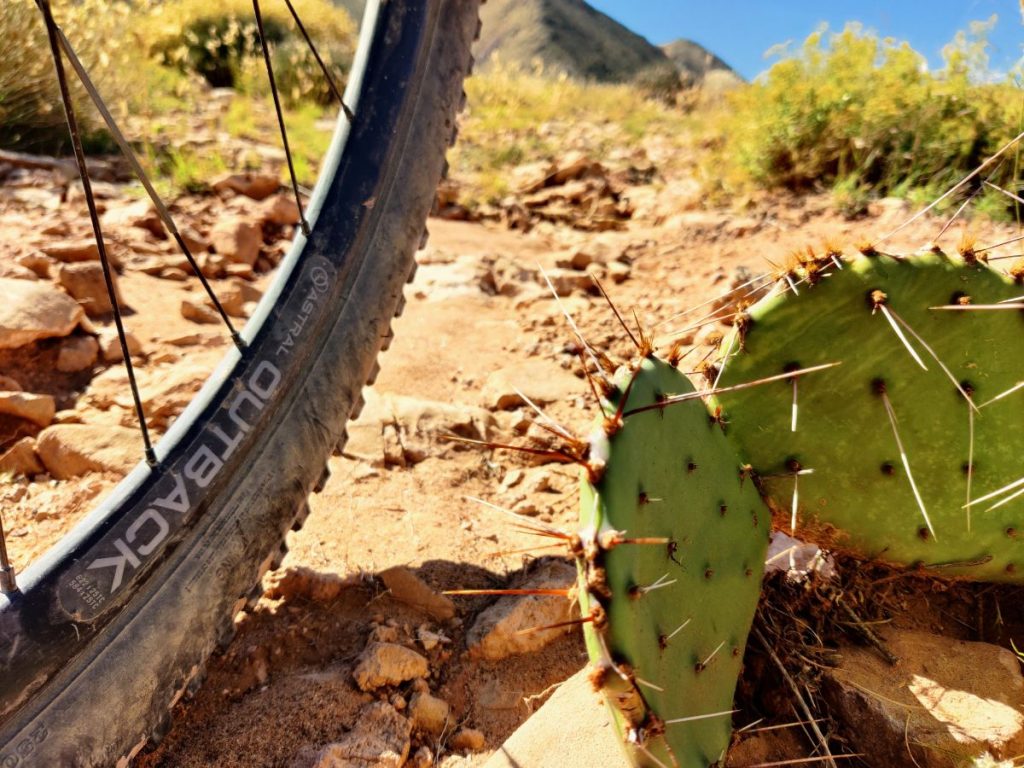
(220, 42)
(859, 113)
(31, 117)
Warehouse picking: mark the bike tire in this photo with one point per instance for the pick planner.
(116, 623)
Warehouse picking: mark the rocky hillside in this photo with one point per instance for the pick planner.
(694, 61)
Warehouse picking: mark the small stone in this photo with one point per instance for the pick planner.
(194, 239)
(69, 450)
(34, 310)
(86, 283)
(379, 739)
(10, 384)
(496, 633)
(429, 714)
(468, 740)
(565, 281)
(139, 214)
(198, 313)
(39, 409)
(77, 353)
(71, 251)
(21, 459)
(538, 379)
(388, 664)
(423, 758)
(281, 210)
(619, 272)
(237, 239)
(254, 185)
(407, 587)
(39, 263)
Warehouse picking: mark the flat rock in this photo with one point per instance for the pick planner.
(945, 704)
(110, 345)
(69, 450)
(410, 589)
(34, 310)
(69, 251)
(380, 739)
(281, 210)
(86, 283)
(38, 409)
(257, 186)
(572, 730)
(21, 459)
(540, 380)
(496, 634)
(198, 313)
(401, 431)
(388, 664)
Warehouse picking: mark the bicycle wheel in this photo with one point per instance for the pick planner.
(115, 623)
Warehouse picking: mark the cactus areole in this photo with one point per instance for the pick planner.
(673, 542)
(909, 451)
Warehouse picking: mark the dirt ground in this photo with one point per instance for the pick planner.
(479, 325)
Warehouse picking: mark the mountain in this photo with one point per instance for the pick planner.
(566, 36)
(695, 60)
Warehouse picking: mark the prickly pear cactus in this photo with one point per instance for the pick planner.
(671, 557)
(882, 454)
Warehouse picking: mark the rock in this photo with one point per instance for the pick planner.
(237, 239)
(110, 345)
(15, 271)
(545, 741)
(574, 165)
(429, 714)
(541, 381)
(21, 459)
(380, 739)
(302, 583)
(405, 586)
(495, 633)
(39, 263)
(238, 297)
(38, 409)
(468, 740)
(69, 251)
(138, 214)
(946, 702)
(77, 353)
(198, 313)
(281, 210)
(69, 450)
(565, 281)
(194, 239)
(619, 272)
(31, 311)
(86, 283)
(388, 664)
(255, 185)
(395, 430)
(531, 177)
(424, 758)
(9, 384)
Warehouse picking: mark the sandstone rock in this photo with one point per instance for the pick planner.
(9, 384)
(38, 262)
(468, 740)
(255, 185)
(949, 702)
(14, 271)
(281, 210)
(21, 459)
(194, 239)
(429, 714)
(69, 251)
(69, 450)
(198, 313)
(31, 311)
(110, 345)
(495, 633)
(138, 214)
(38, 409)
(85, 282)
(388, 664)
(544, 741)
(572, 166)
(541, 381)
(237, 239)
(77, 353)
(237, 297)
(380, 739)
(302, 583)
(566, 281)
(410, 589)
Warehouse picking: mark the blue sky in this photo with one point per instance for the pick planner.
(740, 31)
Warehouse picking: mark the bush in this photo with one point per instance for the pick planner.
(859, 113)
(219, 41)
(31, 117)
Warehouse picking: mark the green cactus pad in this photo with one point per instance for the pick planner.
(860, 497)
(668, 474)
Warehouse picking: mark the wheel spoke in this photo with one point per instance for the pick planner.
(154, 196)
(323, 66)
(280, 113)
(76, 141)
